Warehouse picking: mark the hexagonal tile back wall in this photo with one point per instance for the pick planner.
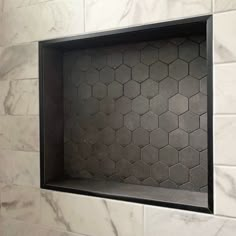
(137, 113)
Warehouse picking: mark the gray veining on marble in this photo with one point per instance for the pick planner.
(4, 87)
(10, 227)
(2, 185)
(224, 88)
(161, 221)
(21, 203)
(19, 62)
(23, 98)
(19, 133)
(8, 5)
(224, 37)
(224, 136)
(57, 19)
(125, 13)
(19, 97)
(224, 5)
(92, 216)
(225, 191)
(21, 168)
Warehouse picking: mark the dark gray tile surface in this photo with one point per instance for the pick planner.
(140, 72)
(189, 121)
(198, 68)
(149, 121)
(140, 137)
(159, 172)
(132, 153)
(159, 104)
(133, 190)
(189, 86)
(140, 105)
(168, 53)
(149, 55)
(158, 71)
(178, 139)
(149, 88)
(123, 136)
(179, 174)
(149, 154)
(168, 87)
(169, 155)
(159, 138)
(178, 104)
(131, 89)
(168, 121)
(123, 74)
(178, 69)
(188, 50)
(132, 121)
(137, 114)
(189, 157)
(99, 90)
(115, 90)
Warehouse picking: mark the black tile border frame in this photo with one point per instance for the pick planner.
(209, 33)
(210, 114)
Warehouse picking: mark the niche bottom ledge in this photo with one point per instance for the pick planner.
(173, 198)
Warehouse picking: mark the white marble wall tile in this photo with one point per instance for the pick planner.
(169, 222)
(21, 203)
(91, 216)
(19, 62)
(225, 191)
(21, 168)
(224, 37)
(4, 89)
(19, 133)
(125, 13)
(8, 5)
(1, 6)
(2, 185)
(224, 140)
(51, 19)
(224, 5)
(19, 97)
(1, 218)
(225, 87)
(9, 227)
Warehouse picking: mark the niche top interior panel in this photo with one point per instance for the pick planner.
(178, 28)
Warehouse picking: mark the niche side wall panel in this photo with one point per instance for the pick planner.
(51, 113)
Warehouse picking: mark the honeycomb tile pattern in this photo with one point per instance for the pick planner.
(139, 114)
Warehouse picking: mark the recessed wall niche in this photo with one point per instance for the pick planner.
(127, 114)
